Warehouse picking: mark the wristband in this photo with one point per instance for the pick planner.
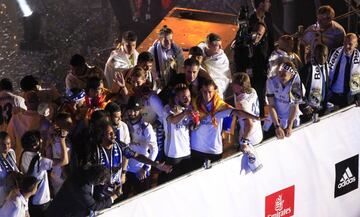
(277, 126)
(244, 141)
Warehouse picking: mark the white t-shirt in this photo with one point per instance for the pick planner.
(282, 100)
(15, 206)
(143, 142)
(206, 138)
(153, 109)
(41, 167)
(177, 136)
(122, 133)
(249, 102)
(9, 104)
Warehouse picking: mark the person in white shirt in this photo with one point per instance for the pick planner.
(33, 164)
(284, 93)
(7, 166)
(10, 103)
(246, 99)
(284, 52)
(123, 57)
(169, 57)
(152, 110)
(143, 141)
(16, 204)
(216, 63)
(345, 73)
(54, 149)
(206, 141)
(178, 118)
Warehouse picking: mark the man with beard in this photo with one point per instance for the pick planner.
(152, 110)
(206, 141)
(143, 142)
(110, 154)
(178, 117)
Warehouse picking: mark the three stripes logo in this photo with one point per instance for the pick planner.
(346, 179)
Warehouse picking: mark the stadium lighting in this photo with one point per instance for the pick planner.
(25, 8)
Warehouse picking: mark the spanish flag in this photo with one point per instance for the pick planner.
(217, 105)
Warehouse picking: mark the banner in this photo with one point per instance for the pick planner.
(312, 173)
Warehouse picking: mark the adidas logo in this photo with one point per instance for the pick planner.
(346, 179)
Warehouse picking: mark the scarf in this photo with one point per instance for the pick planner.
(8, 163)
(354, 71)
(318, 84)
(94, 104)
(217, 105)
(296, 91)
(114, 161)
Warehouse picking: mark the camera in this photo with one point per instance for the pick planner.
(244, 36)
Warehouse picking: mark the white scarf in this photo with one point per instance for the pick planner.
(318, 77)
(355, 68)
(296, 91)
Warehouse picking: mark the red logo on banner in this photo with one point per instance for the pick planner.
(281, 203)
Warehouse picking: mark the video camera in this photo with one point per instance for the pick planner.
(244, 36)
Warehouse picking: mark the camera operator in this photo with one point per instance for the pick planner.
(262, 14)
(250, 56)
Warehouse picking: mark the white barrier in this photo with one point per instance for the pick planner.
(302, 166)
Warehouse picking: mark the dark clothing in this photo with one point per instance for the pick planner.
(198, 158)
(75, 199)
(38, 210)
(270, 32)
(180, 166)
(135, 186)
(254, 58)
(343, 100)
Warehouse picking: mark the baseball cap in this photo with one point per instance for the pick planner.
(134, 103)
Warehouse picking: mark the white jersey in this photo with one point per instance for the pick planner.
(122, 133)
(9, 104)
(177, 136)
(277, 57)
(282, 100)
(153, 109)
(249, 103)
(41, 167)
(207, 138)
(218, 68)
(143, 142)
(15, 206)
(117, 62)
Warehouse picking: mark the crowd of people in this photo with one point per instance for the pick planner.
(156, 111)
